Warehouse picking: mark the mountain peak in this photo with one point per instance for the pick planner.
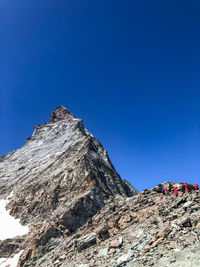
(60, 114)
(61, 178)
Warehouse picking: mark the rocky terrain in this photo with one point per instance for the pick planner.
(81, 213)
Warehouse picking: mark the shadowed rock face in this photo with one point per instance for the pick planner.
(60, 178)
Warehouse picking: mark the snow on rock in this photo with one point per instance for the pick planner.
(11, 262)
(10, 227)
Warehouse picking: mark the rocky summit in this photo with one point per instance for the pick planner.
(63, 188)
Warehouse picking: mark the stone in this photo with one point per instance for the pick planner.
(172, 245)
(124, 221)
(120, 240)
(85, 242)
(116, 243)
(186, 222)
(143, 244)
(103, 253)
(137, 233)
(11, 245)
(178, 203)
(103, 232)
(187, 204)
(112, 251)
(164, 232)
(125, 258)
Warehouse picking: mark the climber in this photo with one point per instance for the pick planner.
(186, 187)
(166, 192)
(176, 192)
(163, 191)
(183, 188)
(196, 187)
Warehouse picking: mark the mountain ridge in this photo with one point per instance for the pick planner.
(81, 213)
(61, 170)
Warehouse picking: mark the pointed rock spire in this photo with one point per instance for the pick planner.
(59, 114)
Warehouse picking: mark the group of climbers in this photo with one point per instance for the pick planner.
(184, 189)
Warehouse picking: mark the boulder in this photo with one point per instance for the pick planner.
(85, 242)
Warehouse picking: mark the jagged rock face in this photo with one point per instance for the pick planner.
(58, 163)
(60, 114)
(60, 178)
(132, 188)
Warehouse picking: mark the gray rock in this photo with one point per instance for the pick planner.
(183, 258)
(140, 245)
(187, 204)
(137, 233)
(186, 222)
(125, 258)
(85, 242)
(103, 253)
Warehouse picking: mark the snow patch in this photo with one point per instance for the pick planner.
(11, 262)
(10, 227)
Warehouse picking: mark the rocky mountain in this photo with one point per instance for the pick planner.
(79, 212)
(61, 177)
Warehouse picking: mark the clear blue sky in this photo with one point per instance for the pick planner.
(130, 69)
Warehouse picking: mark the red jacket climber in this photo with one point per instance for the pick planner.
(196, 186)
(186, 187)
(176, 192)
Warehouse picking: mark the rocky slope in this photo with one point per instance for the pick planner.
(150, 229)
(80, 212)
(60, 179)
